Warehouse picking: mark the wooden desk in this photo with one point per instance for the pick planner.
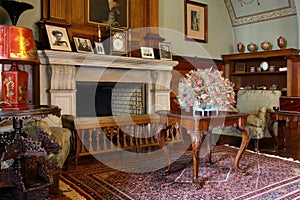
(198, 127)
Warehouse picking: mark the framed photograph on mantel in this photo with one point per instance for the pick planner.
(107, 12)
(83, 45)
(58, 38)
(196, 22)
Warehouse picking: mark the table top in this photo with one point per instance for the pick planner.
(34, 110)
(189, 115)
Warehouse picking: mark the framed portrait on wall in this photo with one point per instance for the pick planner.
(58, 38)
(196, 22)
(107, 12)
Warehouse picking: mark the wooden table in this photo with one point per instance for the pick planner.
(199, 126)
(20, 147)
(281, 117)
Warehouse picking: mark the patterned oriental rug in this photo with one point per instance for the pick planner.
(267, 177)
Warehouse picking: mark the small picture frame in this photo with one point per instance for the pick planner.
(240, 67)
(83, 45)
(58, 38)
(99, 48)
(165, 51)
(147, 52)
(196, 21)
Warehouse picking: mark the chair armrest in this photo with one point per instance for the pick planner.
(254, 120)
(258, 120)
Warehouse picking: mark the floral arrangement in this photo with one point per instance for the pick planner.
(205, 88)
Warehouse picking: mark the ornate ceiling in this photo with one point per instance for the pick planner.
(244, 12)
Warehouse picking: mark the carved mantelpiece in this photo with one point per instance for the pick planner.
(59, 72)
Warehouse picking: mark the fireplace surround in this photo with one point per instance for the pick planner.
(61, 71)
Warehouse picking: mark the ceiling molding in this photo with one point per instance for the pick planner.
(257, 15)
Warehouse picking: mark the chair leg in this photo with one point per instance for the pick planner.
(256, 144)
(54, 188)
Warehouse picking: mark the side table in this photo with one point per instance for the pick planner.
(19, 147)
(281, 117)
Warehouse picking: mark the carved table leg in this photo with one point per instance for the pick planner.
(197, 139)
(282, 135)
(271, 130)
(245, 140)
(161, 141)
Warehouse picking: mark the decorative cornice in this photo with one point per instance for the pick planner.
(258, 17)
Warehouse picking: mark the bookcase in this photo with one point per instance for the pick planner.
(245, 70)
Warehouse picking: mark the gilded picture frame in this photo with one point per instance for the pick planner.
(98, 12)
(196, 21)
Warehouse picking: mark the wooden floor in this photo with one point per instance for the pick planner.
(265, 146)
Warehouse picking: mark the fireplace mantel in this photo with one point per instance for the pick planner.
(59, 72)
(95, 60)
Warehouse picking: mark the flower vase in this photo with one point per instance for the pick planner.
(203, 109)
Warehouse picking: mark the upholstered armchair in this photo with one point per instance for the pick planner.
(54, 139)
(258, 103)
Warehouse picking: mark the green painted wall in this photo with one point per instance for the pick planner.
(220, 32)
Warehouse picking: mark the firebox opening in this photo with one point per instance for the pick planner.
(109, 98)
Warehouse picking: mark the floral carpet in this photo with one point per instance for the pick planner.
(267, 178)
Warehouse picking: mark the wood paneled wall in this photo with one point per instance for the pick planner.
(72, 15)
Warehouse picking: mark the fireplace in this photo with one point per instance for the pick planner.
(110, 98)
(60, 73)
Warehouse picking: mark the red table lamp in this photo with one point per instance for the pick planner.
(17, 46)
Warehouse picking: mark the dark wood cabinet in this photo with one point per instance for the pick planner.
(73, 15)
(285, 74)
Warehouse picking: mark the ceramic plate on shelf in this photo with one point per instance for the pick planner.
(264, 65)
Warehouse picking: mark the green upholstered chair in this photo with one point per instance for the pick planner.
(258, 103)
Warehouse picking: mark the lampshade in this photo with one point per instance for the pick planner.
(17, 46)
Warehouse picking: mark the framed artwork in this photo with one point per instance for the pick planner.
(58, 38)
(165, 51)
(118, 41)
(83, 45)
(196, 22)
(99, 48)
(147, 52)
(107, 12)
(240, 67)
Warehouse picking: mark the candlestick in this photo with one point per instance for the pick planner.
(129, 42)
(99, 33)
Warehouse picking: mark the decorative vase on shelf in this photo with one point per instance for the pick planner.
(252, 47)
(265, 45)
(240, 47)
(281, 42)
